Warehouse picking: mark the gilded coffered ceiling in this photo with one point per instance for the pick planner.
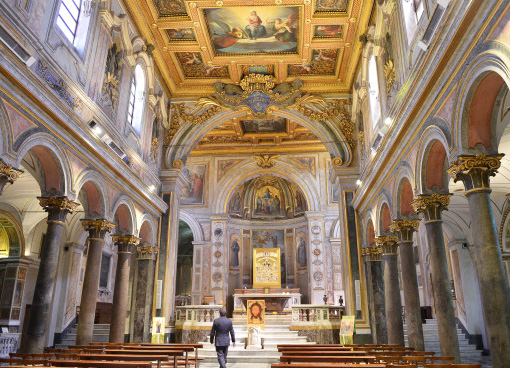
(200, 42)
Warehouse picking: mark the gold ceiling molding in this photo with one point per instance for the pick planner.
(265, 161)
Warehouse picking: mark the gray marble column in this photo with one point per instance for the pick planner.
(394, 322)
(404, 230)
(431, 206)
(97, 229)
(57, 208)
(146, 258)
(475, 171)
(125, 244)
(7, 175)
(372, 256)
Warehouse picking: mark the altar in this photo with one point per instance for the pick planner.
(278, 300)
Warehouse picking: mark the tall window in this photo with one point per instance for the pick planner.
(413, 10)
(136, 99)
(68, 16)
(373, 91)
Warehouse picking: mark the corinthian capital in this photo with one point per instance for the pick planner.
(8, 174)
(125, 243)
(404, 229)
(97, 228)
(57, 207)
(388, 244)
(431, 205)
(475, 171)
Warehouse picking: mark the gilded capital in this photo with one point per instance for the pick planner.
(57, 207)
(8, 174)
(97, 228)
(147, 252)
(125, 243)
(374, 254)
(404, 229)
(475, 171)
(388, 244)
(431, 205)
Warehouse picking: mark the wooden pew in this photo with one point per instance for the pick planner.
(324, 353)
(314, 348)
(99, 364)
(126, 357)
(169, 352)
(327, 359)
(327, 365)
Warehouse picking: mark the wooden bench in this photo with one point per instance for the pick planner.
(323, 353)
(126, 357)
(169, 352)
(99, 364)
(327, 359)
(319, 348)
(327, 365)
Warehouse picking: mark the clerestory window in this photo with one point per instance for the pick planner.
(68, 16)
(136, 99)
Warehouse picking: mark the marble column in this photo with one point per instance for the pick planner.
(7, 175)
(394, 322)
(475, 171)
(431, 206)
(97, 229)
(404, 230)
(146, 257)
(374, 263)
(125, 244)
(57, 208)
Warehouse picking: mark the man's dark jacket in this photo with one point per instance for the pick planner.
(220, 329)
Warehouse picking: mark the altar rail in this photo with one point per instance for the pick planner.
(193, 322)
(320, 323)
(9, 343)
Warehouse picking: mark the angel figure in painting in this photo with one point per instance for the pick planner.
(284, 30)
(224, 35)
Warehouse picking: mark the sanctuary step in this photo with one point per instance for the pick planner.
(101, 334)
(277, 331)
(468, 352)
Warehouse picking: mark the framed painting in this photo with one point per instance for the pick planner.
(253, 30)
(180, 34)
(330, 6)
(193, 193)
(327, 31)
(193, 66)
(323, 62)
(259, 126)
(266, 268)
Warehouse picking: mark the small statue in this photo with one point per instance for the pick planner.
(325, 299)
(341, 301)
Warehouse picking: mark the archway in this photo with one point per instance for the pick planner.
(183, 280)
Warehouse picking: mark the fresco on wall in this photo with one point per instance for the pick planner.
(323, 62)
(301, 251)
(170, 7)
(193, 66)
(330, 5)
(235, 252)
(194, 192)
(180, 34)
(258, 69)
(264, 126)
(271, 239)
(267, 197)
(307, 163)
(224, 166)
(327, 31)
(253, 30)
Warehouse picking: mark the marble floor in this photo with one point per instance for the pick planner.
(485, 361)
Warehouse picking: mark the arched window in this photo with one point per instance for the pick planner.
(373, 91)
(136, 99)
(413, 10)
(68, 16)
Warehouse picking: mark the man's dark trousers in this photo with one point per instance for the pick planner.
(222, 352)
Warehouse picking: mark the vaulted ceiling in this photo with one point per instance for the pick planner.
(200, 42)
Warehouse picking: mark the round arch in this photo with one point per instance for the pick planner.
(404, 190)
(123, 215)
(96, 200)
(196, 228)
(384, 200)
(148, 229)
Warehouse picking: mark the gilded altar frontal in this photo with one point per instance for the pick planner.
(283, 166)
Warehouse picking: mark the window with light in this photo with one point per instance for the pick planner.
(68, 16)
(136, 99)
(373, 91)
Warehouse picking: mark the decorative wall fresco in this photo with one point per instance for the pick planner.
(194, 192)
(180, 34)
(258, 69)
(327, 31)
(193, 66)
(264, 126)
(223, 166)
(249, 30)
(330, 5)
(267, 197)
(170, 7)
(307, 163)
(323, 62)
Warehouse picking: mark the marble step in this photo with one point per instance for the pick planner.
(235, 365)
(238, 351)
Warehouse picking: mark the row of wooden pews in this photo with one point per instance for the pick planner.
(361, 356)
(109, 355)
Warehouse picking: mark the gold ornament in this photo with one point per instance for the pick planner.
(266, 161)
(404, 228)
(337, 162)
(178, 164)
(475, 171)
(431, 205)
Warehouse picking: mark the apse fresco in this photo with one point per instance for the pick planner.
(253, 30)
(264, 126)
(323, 62)
(268, 239)
(266, 198)
(193, 66)
(194, 192)
(327, 31)
(177, 34)
(170, 7)
(330, 5)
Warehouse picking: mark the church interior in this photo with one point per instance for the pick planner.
(332, 172)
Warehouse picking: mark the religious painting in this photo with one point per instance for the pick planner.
(193, 66)
(506, 233)
(178, 34)
(258, 69)
(224, 166)
(170, 7)
(256, 312)
(236, 203)
(328, 6)
(235, 249)
(253, 30)
(301, 251)
(194, 193)
(306, 162)
(268, 238)
(323, 62)
(268, 201)
(347, 330)
(264, 126)
(327, 31)
(266, 268)
(158, 330)
(333, 189)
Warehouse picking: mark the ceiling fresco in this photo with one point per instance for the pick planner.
(199, 42)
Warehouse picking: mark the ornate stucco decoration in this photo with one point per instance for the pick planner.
(266, 161)
(389, 74)
(113, 70)
(8, 173)
(475, 171)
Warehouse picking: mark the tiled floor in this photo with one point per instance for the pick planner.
(486, 361)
